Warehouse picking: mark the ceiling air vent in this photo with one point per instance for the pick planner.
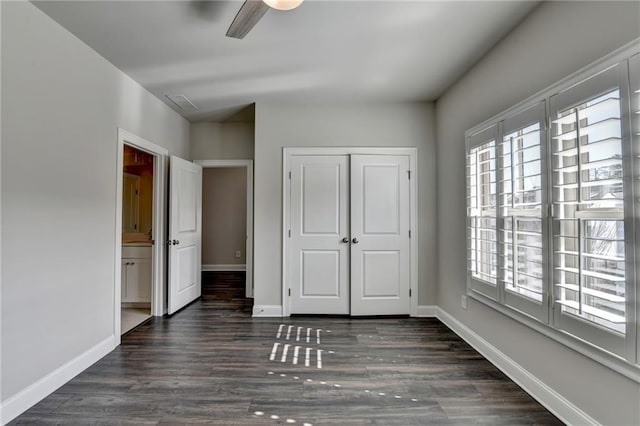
(182, 102)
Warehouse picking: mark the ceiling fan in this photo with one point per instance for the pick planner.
(252, 11)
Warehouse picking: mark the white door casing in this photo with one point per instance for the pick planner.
(380, 244)
(185, 227)
(319, 235)
(158, 290)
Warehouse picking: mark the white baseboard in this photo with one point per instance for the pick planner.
(550, 399)
(267, 311)
(427, 311)
(31, 395)
(231, 267)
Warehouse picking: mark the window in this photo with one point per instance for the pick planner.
(589, 251)
(506, 225)
(482, 198)
(523, 222)
(593, 243)
(553, 206)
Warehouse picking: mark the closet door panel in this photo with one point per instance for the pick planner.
(380, 235)
(319, 259)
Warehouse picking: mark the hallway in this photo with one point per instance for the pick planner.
(212, 363)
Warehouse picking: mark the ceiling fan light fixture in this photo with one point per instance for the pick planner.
(283, 4)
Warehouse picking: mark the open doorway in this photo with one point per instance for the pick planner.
(139, 291)
(137, 238)
(227, 226)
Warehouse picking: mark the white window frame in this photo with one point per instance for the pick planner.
(634, 80)
(623, 358)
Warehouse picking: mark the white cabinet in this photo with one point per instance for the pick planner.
(136, 274)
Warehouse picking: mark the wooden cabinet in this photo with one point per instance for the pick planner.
(136, 274)
(130, 203)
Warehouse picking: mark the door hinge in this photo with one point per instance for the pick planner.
(289, 233)
(289, 174)
(409, 292)
(289, 292)
(409, 233)
(409, 173)
(136, 192)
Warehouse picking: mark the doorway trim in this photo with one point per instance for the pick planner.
(412, 153)
(248, 165)
(160, 154)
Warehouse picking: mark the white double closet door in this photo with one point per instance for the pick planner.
(349, 244)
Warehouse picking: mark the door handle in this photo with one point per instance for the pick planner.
(176, 242)
(345, 240)
(355, 241)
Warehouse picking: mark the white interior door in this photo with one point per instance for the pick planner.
(185, 229)
(319, 235)
(380, 245)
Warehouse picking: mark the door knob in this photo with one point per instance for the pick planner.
(176, 242)
(355, 241)
(345, 240)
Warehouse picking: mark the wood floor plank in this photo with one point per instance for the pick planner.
(211, 363)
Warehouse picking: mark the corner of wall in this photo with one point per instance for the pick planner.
(427, 311)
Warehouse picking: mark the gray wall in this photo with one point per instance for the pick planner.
(384, 125)
(222, 141)
(224, 215)
(61, 107)
(556, 40)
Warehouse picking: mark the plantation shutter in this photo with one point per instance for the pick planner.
(482, 249)
(522, 211)
(588, 188)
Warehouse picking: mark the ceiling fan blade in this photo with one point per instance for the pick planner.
(248, 16)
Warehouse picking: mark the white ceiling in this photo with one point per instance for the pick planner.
(324, 51)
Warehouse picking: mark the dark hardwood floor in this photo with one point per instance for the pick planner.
(212, 363)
